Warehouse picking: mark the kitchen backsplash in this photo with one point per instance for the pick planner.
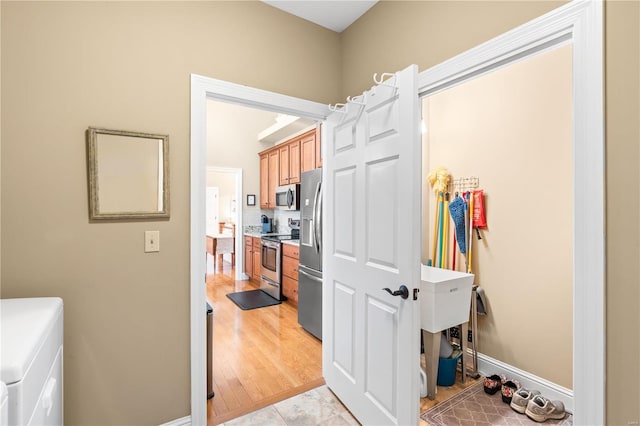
(280, 221)
(252, 229)
(281, 218)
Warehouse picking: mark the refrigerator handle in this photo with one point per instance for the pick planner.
(318, 223)
(314, 217)
(310, 276)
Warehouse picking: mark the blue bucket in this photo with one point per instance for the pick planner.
(447, 371)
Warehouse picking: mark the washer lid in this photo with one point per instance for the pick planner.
(24, 325)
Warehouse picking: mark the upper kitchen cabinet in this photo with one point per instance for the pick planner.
(308, 151)
(269, 178)
(264, 181)
(318, 149)
(274, 179)
(290, 162)
(284, 163)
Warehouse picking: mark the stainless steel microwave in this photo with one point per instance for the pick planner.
(288, 197)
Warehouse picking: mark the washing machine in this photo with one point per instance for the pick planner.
(31, 344)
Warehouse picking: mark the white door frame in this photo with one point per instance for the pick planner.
(580, 22)
(203, 88)
(237, 173)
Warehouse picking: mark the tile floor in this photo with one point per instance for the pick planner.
(318, 406)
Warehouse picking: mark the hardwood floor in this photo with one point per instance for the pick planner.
(260, 356)
(263, 356)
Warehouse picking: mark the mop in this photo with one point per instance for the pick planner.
(445, 233)
(434, 239)
(457, 210)
(439, 179)
(470, 240)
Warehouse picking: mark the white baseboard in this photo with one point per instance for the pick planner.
(488, 366)
(184, 421)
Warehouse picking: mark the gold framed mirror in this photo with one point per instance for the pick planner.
(128, 175)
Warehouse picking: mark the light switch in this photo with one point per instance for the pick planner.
(151, 241)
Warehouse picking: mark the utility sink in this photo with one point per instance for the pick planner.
(445, 298)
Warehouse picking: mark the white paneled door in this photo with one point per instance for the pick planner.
(212, 210)
(372, 169)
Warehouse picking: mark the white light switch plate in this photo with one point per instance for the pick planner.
(151, 241)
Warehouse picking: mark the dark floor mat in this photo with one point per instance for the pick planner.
(252, 299)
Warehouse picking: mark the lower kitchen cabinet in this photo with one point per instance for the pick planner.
(290, 262)
(252, 259)
(248, 256)
(257, 258)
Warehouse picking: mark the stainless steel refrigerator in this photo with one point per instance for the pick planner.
(310, 269)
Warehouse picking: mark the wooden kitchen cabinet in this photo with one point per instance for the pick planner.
(308, 151)
(318, 149)
(290, 262)
(257, 258)
(252, 257)
(269, 178)
(290, 162)
(248, 256)
(264, 181)
(274, 171)
(294, 162)
(283, 151)
(284, 163)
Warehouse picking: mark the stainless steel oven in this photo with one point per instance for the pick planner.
(271, 253)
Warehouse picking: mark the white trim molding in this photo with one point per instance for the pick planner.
(184, 421)
(579, 23)
(203, 88)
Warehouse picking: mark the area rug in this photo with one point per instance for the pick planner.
(252, 299)
(473, 406)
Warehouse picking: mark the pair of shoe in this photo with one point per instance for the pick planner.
(493, 383)
(536, 406)
(500, 381)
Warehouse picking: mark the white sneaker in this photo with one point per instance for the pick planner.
(521, 398)
(541, 409)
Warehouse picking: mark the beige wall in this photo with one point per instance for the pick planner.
(622, 85)
(124, 65)
(394, 34)
(512, 129)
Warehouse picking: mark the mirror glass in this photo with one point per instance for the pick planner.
(128, 174)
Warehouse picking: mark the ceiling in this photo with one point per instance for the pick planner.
(335, 15)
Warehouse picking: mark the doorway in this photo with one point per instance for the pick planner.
(224, 217)
(261, 355)
(508, 133)
(579, 22)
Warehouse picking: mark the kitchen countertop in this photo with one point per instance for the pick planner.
(260, 235)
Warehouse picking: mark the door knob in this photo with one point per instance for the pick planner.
(403, 291)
